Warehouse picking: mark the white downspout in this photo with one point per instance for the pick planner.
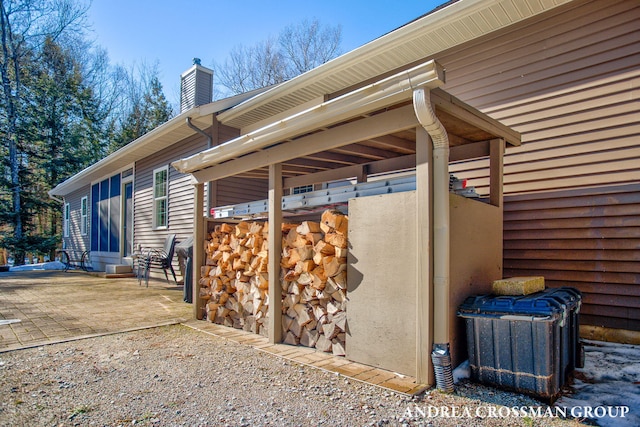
(441, 263)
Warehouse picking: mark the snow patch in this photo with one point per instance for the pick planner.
(53, 265)
(610, 377)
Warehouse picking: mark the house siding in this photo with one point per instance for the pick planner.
(234, 190)
(180, 195)
(76, 242)
(181, 191)
(566, 80)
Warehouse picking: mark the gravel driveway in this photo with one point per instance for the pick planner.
(176, 376)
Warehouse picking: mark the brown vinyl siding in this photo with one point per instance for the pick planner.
(234, 190)
(566, 80)
(589, 239)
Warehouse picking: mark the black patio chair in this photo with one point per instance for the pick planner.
(158, 258)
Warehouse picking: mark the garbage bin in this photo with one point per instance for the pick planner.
(184, 250)
(528, 344)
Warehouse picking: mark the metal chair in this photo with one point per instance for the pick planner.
(158, 258)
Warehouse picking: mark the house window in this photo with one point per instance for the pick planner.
(302, 189)
(67, 217)
(160, 199)
(84, 219)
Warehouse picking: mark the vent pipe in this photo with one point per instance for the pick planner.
(441, 264)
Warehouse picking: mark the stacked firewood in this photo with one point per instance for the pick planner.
(235, 280)
(314, 283)
(313, 277)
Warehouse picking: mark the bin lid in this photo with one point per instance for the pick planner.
(571, 297)
(536, 304)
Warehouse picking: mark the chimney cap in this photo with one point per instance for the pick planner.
(196, 61)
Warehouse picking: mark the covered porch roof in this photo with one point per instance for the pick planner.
(373, 127)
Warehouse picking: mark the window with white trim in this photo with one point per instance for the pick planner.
(84, 218)
(160, 197)
(66, 222)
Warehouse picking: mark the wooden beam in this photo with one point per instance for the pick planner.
(496, 165)
(452, 105)
(380, 124)
(310, 164)
(396, 143)
(469, 151)
(371, 168)
(335, 157)
(198, 248)
(275, 253)
(365, 151)
(424, 285)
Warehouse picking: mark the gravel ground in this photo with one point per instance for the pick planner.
(175, 376)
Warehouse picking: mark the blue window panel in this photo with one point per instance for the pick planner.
(115, 186)
(95, 227)
(104, 216)
(114, 215)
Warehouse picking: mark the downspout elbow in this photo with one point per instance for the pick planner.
(201, 132)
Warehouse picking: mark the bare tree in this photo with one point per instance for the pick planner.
(253, 67)
(299, 48)
(25, 25)
(309, 44)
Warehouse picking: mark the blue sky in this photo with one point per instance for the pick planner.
(171, 33)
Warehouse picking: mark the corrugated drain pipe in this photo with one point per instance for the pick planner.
(209, 145)
(440, 355)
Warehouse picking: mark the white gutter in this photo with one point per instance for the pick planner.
(441, 242)
(375, 96)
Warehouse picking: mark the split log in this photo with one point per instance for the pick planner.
(337, 347)
(333, 220)
(323, 344)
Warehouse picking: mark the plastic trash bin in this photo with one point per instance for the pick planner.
(523, 343)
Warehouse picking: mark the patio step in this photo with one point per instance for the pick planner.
(114, 271)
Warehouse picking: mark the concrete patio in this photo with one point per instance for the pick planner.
(44, 307)
(47, 307)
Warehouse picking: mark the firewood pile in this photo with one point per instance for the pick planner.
(313, 277)
(234, 280)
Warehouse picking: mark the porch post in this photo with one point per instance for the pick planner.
(275, 253)
(496, 160)
(198, 248)
(424, 285)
